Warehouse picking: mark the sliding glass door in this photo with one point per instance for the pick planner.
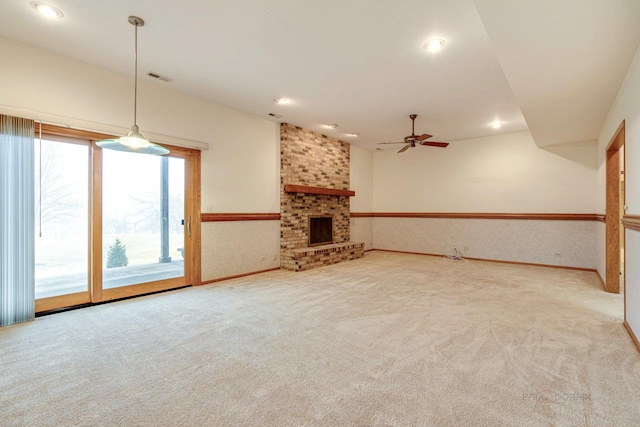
(111, 224)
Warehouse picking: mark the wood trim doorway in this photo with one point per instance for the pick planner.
(614, 209)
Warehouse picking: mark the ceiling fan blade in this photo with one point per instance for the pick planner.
(405, 148)
(423, 137)
(412, 139)
(435, 144)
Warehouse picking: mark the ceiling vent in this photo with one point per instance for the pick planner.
(159, 77)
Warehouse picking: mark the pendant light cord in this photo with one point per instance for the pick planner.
(135, 74)
(133, 141)
(40, 181)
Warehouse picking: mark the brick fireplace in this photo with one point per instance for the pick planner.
(314, 182)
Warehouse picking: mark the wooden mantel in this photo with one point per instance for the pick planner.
(292, 188)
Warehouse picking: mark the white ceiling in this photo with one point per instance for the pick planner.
(360, 63)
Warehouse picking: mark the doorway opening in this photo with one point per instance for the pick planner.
(615, 208)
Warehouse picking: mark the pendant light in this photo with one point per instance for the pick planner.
(134, 142)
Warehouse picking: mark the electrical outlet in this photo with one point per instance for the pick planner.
(465, 248)
(558, 254)
(262, 258)
(275, 257)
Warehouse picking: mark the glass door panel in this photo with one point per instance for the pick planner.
(62, 218)
(142, 213)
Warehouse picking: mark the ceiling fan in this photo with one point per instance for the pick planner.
(412, 139)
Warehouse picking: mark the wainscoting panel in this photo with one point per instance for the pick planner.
(601, 246)
(632, 276)
(231, 248)
(553, 242)
(362, 231)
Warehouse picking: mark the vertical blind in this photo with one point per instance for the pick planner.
(17, 283)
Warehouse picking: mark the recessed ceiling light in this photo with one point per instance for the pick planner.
(496, 124)
(332, 126)
(354, 135)
(281, 101)
(46, 10)
(433, 45)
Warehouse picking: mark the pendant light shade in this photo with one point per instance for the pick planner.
(134, 142)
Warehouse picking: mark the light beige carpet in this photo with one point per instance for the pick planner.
(390, 339)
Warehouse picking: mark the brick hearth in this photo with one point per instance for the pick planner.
(317, 256)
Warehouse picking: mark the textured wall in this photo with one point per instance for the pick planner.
(230, 248)
(632, 270)
(531, 241)
(362, 231)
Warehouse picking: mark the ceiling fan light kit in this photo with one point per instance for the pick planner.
(412, 139)
(133, 141)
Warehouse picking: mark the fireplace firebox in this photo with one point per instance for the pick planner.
(320, 230)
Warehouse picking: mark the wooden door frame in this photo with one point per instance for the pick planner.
(95, 294)
(191, 272)
(613, 204)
